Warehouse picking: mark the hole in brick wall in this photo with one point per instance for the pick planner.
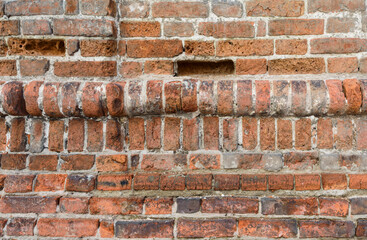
(189, 67)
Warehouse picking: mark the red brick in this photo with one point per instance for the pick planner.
(269, 228)
(253, 182)
(18, 138)
(284, 134)
(34, 67)
(18, 183)
(361, 228)
(262, 97)
(8, 68)
(99, 7)
(249, 128)
(238, 29)
(85, 69)
(50, 182)
(156, 206)
(189, 96)
(158, 67)
(343, 65)
(338, 45)
(275, 8)
(211, 133)
(146, 181)
(289, 206)
(84, 27)
(225, 98)
(258, 47)
(199, 181)
(13, 101)
(112, 163)
(204, 161)
(140, 29)
(296, 66)
(227, 9)
(114, 136)
(76, 205)
(172, 91)
(303, 134)
(334, 181)
(36, 47)
(106, 229)
(189, 228)
(134, 9)
(301, 160)
(144, 229)
(291, 46)
(28, 204)
(3, 132)
(31, 94)
(3, 48)
(334, 207)
(226, 182)
(43, 162)
(71, 7)
(69, 103)
(307, 182)
(20, 227)
(80, 183)
(267, 134)
(326, 228)
(51, 100)
(357, 181)
(115, 206)
(251, 66)
(230, 135)
(114, 182)
(92, 101)
(180, 9)
(36, 27)
(153, 133)
(244, 97)
(299, 97)
(344, 134)
(178, 29)
(241, 205)
(95, 136)
(199, 48)
(207, 103)
(280, 182)
(353, 94)
(172, 182)
(77, 162)
(75, 141)
(95, 48)
(340, 25)
(42, 7)
(337, 98)
(153, 162)
(8, 28)
(115, 98)
(51, 227)
(131, 69)
(190, 132)
(296, 27)
(325, 133)
(56, 136)
(361, 128)
(154, 97)
(153, 48)
(136, 133)
(335, 6)
(13, 161)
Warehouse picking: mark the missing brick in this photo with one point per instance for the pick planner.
(189, 67)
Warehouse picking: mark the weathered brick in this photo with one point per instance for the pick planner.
(114, 182)
(98, 7)
(36, 27)
(296, 66)
(85, 69)
(258, 47)
(180, 9)
(153, 48)
(291, 46)
(227, 9)
(84, 27)
(238, 29)
(271, 228)
(50, 227)
(240, 205)
(144, 229)
(275, 8)
(96, 48)
(335, 6)
(140, 29)
(338, 45)
(326, 228)
(188, 228)
(50, 182)
(39, 7)
(36, 47)
(155, 206)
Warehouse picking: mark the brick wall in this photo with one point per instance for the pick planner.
(183, 119)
